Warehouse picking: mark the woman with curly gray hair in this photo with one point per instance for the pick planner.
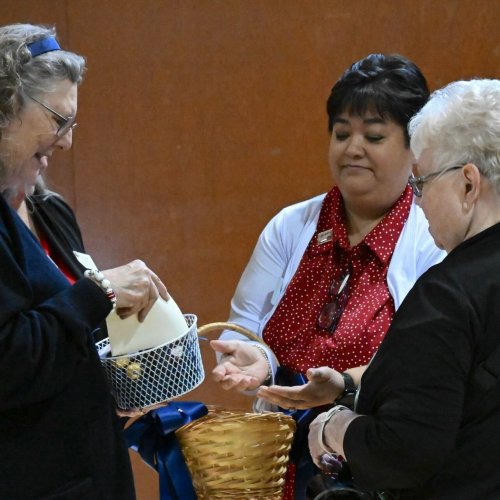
(427, 419)
(60, 437)
(24, 79)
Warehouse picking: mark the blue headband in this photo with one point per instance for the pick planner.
(42, 46)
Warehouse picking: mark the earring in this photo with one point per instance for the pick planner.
(465, 205)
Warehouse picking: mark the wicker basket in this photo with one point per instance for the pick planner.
(236, 454)
(156, 375)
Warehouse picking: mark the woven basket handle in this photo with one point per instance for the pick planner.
(209, 327)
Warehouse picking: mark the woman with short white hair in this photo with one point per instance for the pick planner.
(427, 420)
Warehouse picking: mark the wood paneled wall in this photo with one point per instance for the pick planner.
(200, 119)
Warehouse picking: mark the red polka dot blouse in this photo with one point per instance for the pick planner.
(366, 308)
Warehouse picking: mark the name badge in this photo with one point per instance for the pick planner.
(324, 237)
(85, 260)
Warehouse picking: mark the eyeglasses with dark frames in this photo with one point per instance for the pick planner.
(417, 183)
(66, 123)
(329, 316)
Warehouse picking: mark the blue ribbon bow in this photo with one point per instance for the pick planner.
(153, 437)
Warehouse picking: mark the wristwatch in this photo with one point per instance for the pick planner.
(321, 429)
(346, 397)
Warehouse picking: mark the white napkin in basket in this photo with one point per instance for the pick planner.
(164, 323)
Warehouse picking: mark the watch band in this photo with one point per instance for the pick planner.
(349, 389)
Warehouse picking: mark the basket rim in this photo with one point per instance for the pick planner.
(220, 415)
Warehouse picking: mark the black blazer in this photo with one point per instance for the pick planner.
(60, 437)
(428, 429)
(55, 219)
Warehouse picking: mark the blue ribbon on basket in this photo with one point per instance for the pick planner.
(153, 437)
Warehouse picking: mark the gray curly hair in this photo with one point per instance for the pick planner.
(22, 73)
(461, 124)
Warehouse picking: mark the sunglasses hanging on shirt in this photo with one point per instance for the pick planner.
(331, 312)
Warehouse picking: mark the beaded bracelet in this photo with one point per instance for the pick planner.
(321, 429)
(99, 278)
(269, 370)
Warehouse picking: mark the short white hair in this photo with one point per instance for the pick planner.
(460, 124)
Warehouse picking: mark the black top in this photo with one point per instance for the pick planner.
(430, 430)
(59, 434)
(56, 221)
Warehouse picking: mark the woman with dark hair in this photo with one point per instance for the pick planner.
(327, 274)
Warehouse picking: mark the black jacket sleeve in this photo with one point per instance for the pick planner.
(413, 392)
(45, 324)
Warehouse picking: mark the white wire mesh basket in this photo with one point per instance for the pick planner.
(155, 375)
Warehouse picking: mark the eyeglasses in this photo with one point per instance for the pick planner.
(417, 183)
(339, 294)
(65, 123)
